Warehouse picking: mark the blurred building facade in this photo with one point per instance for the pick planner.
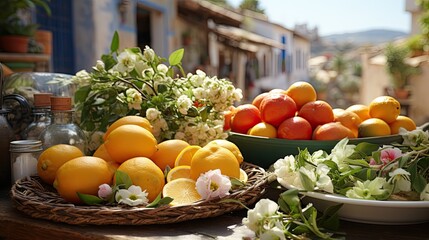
(375, 79)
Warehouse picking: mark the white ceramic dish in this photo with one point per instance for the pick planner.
(372, 211)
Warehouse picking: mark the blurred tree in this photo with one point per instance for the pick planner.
(252, 5)
(424, 22)
(222, 3)
(339, 64)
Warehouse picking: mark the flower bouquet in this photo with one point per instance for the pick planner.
(135, 82)
(367, 180)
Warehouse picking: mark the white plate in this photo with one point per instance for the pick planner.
(371, 211)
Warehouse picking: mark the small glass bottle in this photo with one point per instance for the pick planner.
(63, 130)
(41, 116)
(23, 156)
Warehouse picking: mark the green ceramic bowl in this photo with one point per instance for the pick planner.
(264, 151)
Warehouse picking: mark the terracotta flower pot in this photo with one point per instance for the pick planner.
(14, 43)
(44, 37)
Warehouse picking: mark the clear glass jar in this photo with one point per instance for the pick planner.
(63, 130)
(41, 116)
(23, 158)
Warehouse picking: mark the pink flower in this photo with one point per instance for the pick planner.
(390, 154)
(386, 156)
(213, 184)
(104, 191)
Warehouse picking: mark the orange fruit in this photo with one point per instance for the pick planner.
(332, 131)
(185, 156)
(301, 92)
(167, 153)
(258, 99)
(361, 110)
(227, 118)
(51, 159)
(349, 119)
(295, 128)
(230, 146)
(263, 129)
(101, 152)
(276, 107)
(317, 113)
(179, 172)
(211, 157)
(128, 141)
(402, 122)
(182, 190)
(82, 174)
(245, 117)
(146, 174)
(373, 127)
(135, 120)
(385, 108)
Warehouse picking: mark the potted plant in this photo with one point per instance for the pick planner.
(13, 29)
(399, 70)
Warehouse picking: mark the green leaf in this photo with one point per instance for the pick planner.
(81, 94)
(236, 183)
(329, 219)
(158, 202)
(114, 46)
(90, 199)
(121, 178)
(291, 199)
(109, 61)
(176, 57)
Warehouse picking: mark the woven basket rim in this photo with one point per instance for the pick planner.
(33, 197)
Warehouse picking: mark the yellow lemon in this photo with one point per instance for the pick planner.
(211, 157)
(385, 108)
(146, 174)
(128, 141)
(84, 175)
(182, 190)
(373, 127)
(51, 159)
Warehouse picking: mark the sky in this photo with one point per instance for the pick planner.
(337, 16)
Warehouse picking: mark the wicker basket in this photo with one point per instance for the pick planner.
(39, 200)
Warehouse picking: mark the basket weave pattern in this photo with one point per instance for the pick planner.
(39, 200)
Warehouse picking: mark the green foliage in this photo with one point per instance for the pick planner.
(399, 70)
(252, 5)
(11, 23)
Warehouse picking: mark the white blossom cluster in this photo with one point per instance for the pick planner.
(189, 107)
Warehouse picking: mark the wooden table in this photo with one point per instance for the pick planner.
(17, 225)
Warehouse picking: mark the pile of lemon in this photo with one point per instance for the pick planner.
(170, 168)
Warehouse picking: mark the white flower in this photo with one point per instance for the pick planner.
(149, 54)
(183, 104)
(104, 191)
(162, 68)
(273, 233)
(134, 99)
(401, 179)
(126, 62)
(424, 195)
(132, 196)
(264, 208)
(340, 154)
(152, 114)
(100, 65)
(368, 189)
(81, 78)
(213, 184)
(324, 182)
(285, 171)
(415, 137)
